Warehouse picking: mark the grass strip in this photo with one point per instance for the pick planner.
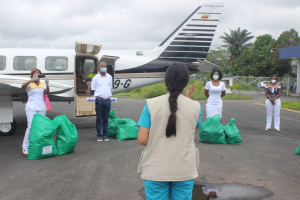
(295, 105)
(160, 89)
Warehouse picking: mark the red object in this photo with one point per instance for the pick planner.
(47, 101)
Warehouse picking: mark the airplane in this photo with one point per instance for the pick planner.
(70, 72)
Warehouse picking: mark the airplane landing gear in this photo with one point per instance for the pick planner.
(7, 129)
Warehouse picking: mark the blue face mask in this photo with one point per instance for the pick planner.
(103, 70)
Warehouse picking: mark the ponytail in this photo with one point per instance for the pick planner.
(171, 127)
(177, 77)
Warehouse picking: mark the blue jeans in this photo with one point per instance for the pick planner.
(102, 113)
(178, 190)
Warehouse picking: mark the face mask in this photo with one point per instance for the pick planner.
(103, 70)
(273, 81)
(215, 77)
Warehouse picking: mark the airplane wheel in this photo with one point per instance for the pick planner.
(7, 129)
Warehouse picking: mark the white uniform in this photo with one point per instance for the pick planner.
(102, 86)
(35, 105)
(273, 91)
(214, 103)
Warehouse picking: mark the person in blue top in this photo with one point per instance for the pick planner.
(170, 161)
(273, 103)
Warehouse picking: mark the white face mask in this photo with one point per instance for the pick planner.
(103, 69)
(215, 77)
(273, 81)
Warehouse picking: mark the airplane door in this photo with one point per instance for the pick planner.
(85, 48)
(110, 62)
(85, 68)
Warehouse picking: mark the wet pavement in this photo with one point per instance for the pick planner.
(263, 167)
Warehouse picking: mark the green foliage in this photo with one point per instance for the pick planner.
(256, 61)
(236, 42)
(295, 105)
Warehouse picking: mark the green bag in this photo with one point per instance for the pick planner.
(232, 133)
(41, 142)
(126, 129)
(298, 150)
(66, 138)
(112, 124)
(212, 131)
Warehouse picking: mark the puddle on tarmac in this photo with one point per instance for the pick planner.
(227, 192)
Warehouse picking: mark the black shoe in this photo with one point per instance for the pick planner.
(106, 139)
(100, 139)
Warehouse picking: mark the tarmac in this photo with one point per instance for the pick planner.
(107, 170)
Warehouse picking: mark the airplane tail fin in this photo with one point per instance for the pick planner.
(191, 40)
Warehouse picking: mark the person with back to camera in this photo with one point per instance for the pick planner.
(36, 90)
(170, 160)
(217, 90)
(273, 103)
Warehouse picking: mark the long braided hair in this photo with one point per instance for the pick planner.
(177, 77)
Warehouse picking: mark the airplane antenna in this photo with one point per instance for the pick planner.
(53, 44)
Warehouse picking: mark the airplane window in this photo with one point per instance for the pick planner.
(24, 62)
(89, 66)
(56, 63)
(2, 62)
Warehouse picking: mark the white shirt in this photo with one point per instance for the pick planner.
(36, 99)
(215, 92)
(102, 86)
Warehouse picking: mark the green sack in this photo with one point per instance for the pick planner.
(232, 133)
(126, 129)
(41, 142)
(112, 124)
(66, 138)
(298, 150)
(212, 131)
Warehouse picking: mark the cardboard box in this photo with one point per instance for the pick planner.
(84, 107)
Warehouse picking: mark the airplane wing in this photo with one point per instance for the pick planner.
(11, 85)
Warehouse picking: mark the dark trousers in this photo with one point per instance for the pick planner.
(102, 113)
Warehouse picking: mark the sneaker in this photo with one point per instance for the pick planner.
(25, 151)
(100, 139)
(106, 139)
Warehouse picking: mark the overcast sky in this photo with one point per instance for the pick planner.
(131, 24)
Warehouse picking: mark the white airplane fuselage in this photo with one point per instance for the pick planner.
(70, 70)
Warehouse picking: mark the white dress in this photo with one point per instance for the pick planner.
(214, 103)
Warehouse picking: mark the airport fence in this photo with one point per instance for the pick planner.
(252, 85)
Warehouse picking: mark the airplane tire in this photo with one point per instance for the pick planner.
(8, 128)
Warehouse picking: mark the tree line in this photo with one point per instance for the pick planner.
(240, 57)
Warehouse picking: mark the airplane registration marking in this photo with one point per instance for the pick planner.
(125, 85)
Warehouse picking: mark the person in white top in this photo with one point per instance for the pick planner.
(214, 91)
(101, 86)
(36, 90)
(273, 103)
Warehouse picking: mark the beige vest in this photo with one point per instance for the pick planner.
(174, 158)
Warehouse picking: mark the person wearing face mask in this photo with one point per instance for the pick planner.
(36, 90)
(273, 103)
(101, 86)
(214, 91)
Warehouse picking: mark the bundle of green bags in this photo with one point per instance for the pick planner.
(212, 131)
(122, 129)
(41, 142)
